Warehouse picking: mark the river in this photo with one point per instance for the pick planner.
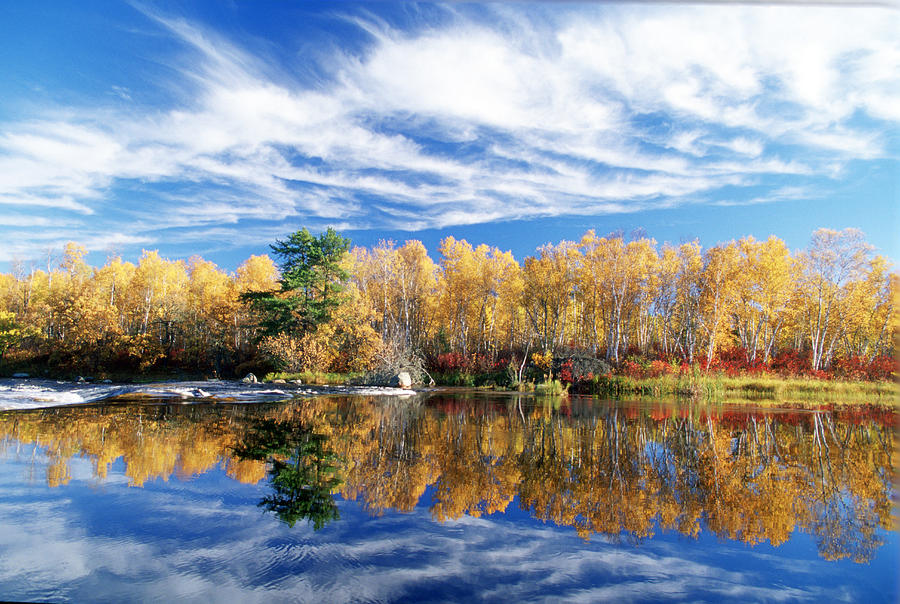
(442, 496)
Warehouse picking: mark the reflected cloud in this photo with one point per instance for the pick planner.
(202, 537)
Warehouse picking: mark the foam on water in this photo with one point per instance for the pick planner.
(37, 393)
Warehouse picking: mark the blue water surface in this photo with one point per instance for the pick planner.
(205, 538)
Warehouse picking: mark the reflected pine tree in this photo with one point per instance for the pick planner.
(303, 470)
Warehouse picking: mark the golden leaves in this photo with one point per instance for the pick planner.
(607, 295)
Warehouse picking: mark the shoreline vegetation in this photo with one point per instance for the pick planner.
(611, 316)
(760, 390)
(700, 387)
(717, 388)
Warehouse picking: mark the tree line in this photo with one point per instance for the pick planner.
(327, 307)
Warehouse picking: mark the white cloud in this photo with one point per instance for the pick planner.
(744, 146)
(20, 221)
(65, 202)
(778, 195)
(586, 110)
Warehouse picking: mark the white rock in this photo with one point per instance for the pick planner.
(402, 380)
(249, 379)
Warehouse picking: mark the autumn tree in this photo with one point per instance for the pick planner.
(719, 284)
(548, 280)
(665, 298)
(208, 314)
(458, 292)
(10, 332)
(690, 289)
(257, 273)
(766, 295)
(833, 261)
(615, 283)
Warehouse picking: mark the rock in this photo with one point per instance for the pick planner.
(250, 379)
(279, 381)
(81, 380)
(20, 375)
(401, 380)
(297, 382)
(107, 381)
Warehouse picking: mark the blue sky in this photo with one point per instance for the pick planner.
(214, 128)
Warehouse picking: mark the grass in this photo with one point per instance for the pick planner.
(551, 388)
(799, 389)
(454, 378)
(317, 378)
(753, 388)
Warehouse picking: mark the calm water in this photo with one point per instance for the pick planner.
(446, 498)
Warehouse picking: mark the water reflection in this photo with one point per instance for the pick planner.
(302, 470)
(627, 471)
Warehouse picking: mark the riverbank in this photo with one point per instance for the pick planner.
(716, 388)
(707, 388)
(703, 387)
(696, 387)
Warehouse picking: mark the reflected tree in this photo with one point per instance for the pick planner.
(303, 470)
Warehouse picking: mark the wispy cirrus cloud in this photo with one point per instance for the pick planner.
(510, 112)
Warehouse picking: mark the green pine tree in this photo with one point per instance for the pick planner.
(312, 284)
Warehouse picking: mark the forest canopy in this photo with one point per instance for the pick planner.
(751, 304)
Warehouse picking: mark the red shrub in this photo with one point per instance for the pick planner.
(632, 369)
(565, 372)
(791, 363)
(658, 368)
(859, 368)
(882, 368)
(451, 361)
